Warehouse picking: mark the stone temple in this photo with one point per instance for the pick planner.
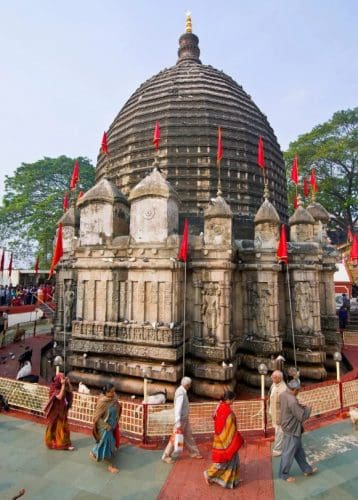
(120, 286)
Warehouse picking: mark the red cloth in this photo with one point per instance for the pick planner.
(294, 172)
(104, 144)
(219, 155)
(353, 255)
(58, 252)
(36, 268)
(117, 435)
(313, 181)
(184, 247)
(306, 189)
(65, 204)
(282, 253)
(156, 137)
(2, 261)
(75, 176)
(227, 439)
(261, 153)
(10, 266)
(295, 202)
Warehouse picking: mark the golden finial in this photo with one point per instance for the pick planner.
(188, 25)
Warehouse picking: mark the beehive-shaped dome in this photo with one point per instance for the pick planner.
(190, 101)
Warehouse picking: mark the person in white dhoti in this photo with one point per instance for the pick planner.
(277, 388)
(181, 423)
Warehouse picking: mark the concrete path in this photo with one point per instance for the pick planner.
(45, 474)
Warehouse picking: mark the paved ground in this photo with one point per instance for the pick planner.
(26, 463)
(45, 474)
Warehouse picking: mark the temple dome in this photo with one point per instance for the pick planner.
(191, 100)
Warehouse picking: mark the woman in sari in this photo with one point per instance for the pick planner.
(225, 467)
(57, 435)
(105, 427)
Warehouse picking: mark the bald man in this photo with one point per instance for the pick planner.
(277, 388)
(181, 417)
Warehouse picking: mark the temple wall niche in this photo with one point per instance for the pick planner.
(149, 219)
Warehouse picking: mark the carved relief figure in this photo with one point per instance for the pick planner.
(303, 307)
(69, 297)
(259, 307)
(210, 313)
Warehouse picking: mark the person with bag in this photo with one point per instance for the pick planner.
(106, 428)
(57, 436)
(182, 434)
(225, 469)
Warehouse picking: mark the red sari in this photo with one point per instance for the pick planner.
(225, 467)
(57, 436)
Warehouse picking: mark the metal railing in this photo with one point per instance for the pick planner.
(142, 421)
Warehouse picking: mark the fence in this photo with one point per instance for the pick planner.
(142, 421)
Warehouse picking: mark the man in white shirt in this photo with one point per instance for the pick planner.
(181, 423)
(277, 388)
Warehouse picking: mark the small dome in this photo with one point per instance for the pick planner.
(217, 208)
(104, 191)
(301, 216)
(318, 212)
(267, 213)
(154, 185)
(70, 218)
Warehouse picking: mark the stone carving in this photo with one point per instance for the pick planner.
(69, 298)
(303, 307)
(210, 312)
(259, 301)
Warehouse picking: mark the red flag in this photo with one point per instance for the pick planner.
(313, 181)
(306, 189)
(156, 137)
(104, 144)
(65, 202)
(349, 235)
(294, 172)
(58, 252)
(2, 262)
(183, 250)
(10, 266)
(261, 153)
(282, 253)
(219, 154)
(36, 268)
(295, 202)
(75, 176)
(353, 254)
(80, 194)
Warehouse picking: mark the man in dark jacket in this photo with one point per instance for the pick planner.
(293, 415)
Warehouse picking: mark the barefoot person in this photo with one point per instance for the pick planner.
(293, 416)
(181, 419)
(57, 435)
(226, 463)
(105, 424)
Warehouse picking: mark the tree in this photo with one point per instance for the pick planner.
(32, 204)
(332, 148)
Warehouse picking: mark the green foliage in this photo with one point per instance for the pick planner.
(332, 148)
(32, 204)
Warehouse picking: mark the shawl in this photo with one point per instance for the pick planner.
(226, 437)
(103, 404)
(55, 389)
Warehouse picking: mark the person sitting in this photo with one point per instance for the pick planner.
(25, 371)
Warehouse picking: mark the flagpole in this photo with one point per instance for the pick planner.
(64, 320)
(184, 318)
(291, 315)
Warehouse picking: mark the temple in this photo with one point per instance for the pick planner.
(121, 288)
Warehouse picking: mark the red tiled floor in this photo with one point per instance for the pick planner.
(186, 480)
(9, 367)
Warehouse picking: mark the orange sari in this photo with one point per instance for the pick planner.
(57, 436)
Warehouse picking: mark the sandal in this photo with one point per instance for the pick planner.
(313, 471)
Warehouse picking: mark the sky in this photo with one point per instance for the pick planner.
(68, 67)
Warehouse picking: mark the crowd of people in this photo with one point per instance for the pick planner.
(25, 295)
(287, 413)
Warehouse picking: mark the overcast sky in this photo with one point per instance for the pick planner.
(67, 67)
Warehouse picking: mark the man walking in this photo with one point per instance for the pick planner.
(293, 415)
(181, 419)
(277, 388)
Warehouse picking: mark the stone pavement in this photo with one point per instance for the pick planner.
(26, 463)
